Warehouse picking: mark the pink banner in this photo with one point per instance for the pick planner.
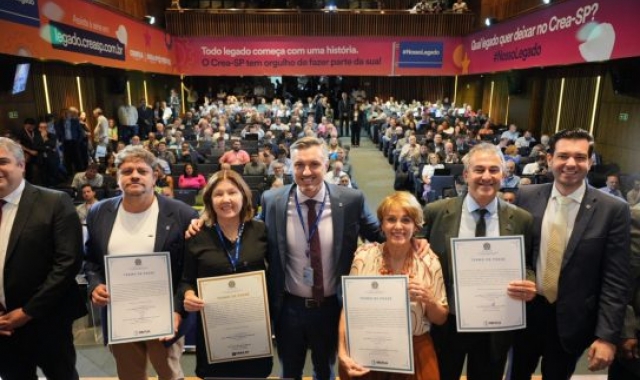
(318, 56)
(77, 31)
(571, 32)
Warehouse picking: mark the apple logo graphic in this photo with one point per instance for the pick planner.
(598, 41)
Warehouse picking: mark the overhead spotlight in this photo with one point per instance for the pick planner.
(331, 7)
(150, 19)
(546, 1)
(490, 21)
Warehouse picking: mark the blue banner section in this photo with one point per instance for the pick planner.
(420, 55)
(69, 38)
(20, 11)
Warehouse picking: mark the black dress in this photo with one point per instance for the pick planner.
(206, 257)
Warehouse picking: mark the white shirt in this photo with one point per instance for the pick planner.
(9, 211)
(134, 232)
(469, 218)
(547, 222)
(297, 260)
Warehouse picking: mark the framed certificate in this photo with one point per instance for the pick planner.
(235, 318)
(378, 322)
(482, 269)
(141, 297)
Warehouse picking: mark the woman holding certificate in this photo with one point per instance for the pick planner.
(400, 217)
(230, 242)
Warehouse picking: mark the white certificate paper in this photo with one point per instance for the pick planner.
(141, 297)
(378, 322)
(235, 318)
(482, 269)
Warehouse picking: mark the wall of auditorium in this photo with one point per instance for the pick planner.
(80, 86)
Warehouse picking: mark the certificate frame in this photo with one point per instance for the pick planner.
(367, 288)
(135, 263)
(223, 289)
(480, 304)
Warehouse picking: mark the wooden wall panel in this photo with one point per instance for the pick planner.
(408, 88)
(365, 23)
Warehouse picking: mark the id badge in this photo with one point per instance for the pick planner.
(307, 276)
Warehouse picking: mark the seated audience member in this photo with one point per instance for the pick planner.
(164, 153)
(460, 7)
(508, 196)
(235, 156)
(333, 176)
(191, 179)
(633, 195)
(162, 179)
(110, 167)
(283, 159)
(89, 197)
(525, 181)
(427, 172)
(525, 141)
(91, 177)
(511, 154)
(613, 186)
(221, 134)
(345, 180)
(511, 134)
(167, 192)
(255, 166)
(186, 154)
(537, 167)
(510, 180)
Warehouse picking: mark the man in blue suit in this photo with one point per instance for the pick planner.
(311, 244)
(582, 299)
(137, 222)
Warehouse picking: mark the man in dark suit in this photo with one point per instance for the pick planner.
(344, 113)
(583, 290)
(627, 363)
(486, 353)
(136, 222)
(304, 296)
(40, 255)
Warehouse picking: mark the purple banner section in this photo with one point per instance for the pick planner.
(69, 38)
(20, 11)
(572, 32)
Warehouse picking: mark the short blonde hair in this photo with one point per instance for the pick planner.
(405, 201)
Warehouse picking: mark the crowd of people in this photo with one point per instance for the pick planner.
(304, 230)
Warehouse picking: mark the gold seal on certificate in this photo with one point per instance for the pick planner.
(141, 305)
(235, 318)
(378, 323)
(482, 269)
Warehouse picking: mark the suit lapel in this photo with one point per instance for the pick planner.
(585, 213)
(337, 220)
(29, 198)
(505, 219)
(282, 204)
(165, 219)
(451, 219)
(108, 220)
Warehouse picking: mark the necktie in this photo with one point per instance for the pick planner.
(481, 224)
(315, 253)
(555, 249)
(2, 203)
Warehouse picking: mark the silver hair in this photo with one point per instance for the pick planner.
(13, 148)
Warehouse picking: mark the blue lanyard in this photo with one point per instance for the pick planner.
(233, 260)
(314, 229)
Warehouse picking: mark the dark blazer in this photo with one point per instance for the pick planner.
(594, 280)
(173, 219)
(351, 218)
(76, 130)
(442, 222)
(44, 256)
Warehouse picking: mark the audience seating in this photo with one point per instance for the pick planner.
(187, 196)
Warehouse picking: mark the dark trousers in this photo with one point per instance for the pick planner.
(624, 369)
(540, 340)
(355, 133)
(300, 328)
(126, 132)
(39, 344)
(344, 126)
(72, 157)
(486, 353)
